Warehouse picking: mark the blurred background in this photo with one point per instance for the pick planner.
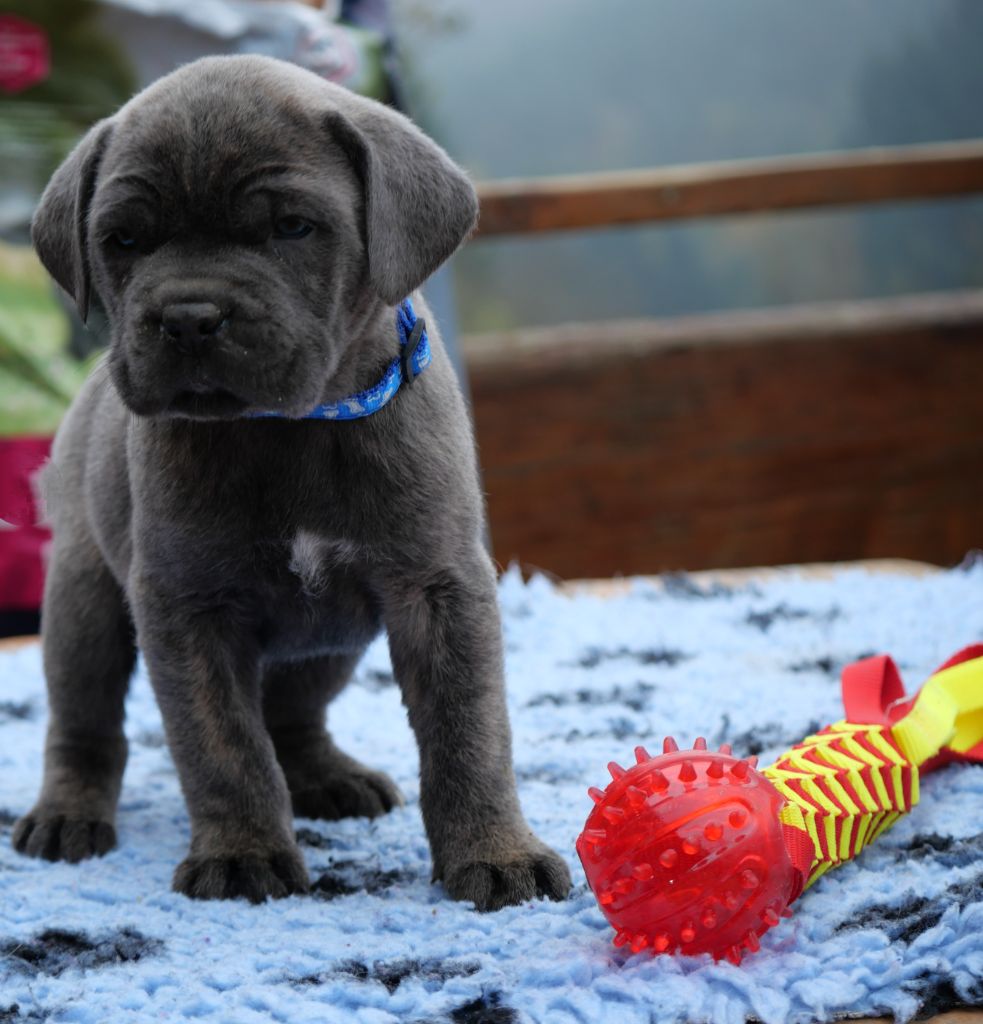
(564, 86)
(724, 303)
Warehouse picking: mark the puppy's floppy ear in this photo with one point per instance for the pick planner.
(59, 228)
(419, 205)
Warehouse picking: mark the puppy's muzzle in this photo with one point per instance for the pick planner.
(191, 327)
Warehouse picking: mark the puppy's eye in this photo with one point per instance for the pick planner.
(123, 239)
(292, 227)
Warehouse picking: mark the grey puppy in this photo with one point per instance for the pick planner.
(250, 231)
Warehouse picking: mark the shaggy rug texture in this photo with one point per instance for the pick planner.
(899, 931)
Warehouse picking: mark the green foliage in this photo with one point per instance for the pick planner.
(38, 376)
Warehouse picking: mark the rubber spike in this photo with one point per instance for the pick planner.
(605, 898)
(751, 940)
(639, 942)
(615, 769)
(658, 783)
(752, 760)
(700, 743)
(769, 917)
(737, 818)
(613, 814)
(595, 835)
(713, 831)
(597, 795)
(623, 886)
(690, 848)
(643, 872)
(621, 938)
(642, 755)
(715, 770)
(661, 942)
(668, 858)
(635, 797)
(687, 773)
(688, 932)
(740, 770)
(709, 919)
(733, 955)
(749, 880)
(726, 748)
(669, 745)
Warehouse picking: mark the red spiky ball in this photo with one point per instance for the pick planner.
(685, 853)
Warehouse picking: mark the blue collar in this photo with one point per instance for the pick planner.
(414, 357)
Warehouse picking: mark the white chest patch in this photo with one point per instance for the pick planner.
(312, 558)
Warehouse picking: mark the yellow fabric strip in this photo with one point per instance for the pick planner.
(863, 827)
(837, 790)
(818, 871)
(889, 820)
(928, 726)
(963, 684)
(890, 754)
(881, 795)
(845, 850)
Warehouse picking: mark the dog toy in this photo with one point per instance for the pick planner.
(697, 851)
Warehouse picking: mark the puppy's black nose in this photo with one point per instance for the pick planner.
(191, 325)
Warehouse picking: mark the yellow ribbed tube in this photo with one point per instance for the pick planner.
(849, 783)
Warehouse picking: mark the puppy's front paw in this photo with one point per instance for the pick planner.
(251, 876)
(60, 837)
(509, 877)
(356, 794)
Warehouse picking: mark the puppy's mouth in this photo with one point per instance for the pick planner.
(207, 403)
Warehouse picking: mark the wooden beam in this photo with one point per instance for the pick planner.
(15, 643)
(823, 433)
(519, 206)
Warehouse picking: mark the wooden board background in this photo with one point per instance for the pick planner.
(876, 175)
(835, 432)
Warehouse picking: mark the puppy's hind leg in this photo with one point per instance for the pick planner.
(324, 781)
(89, 652)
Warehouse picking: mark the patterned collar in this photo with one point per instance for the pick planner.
(414, 357)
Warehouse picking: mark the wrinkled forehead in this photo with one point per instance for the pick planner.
(198, 143)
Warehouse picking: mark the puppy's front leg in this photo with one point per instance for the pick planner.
(445, 640)
(205, 671)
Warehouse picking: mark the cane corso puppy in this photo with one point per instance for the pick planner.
(236, 493)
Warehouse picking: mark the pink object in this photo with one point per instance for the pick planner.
(25, 57)
(22, 539)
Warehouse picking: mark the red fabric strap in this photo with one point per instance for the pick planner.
(873, 692)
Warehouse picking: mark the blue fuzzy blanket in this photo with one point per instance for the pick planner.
(900, 931)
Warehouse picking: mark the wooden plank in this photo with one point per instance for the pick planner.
(580, 344)
(518, 206)
(820, 434)
(967, 1016)
(15, 643)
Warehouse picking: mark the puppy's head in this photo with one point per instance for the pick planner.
(241, 221)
